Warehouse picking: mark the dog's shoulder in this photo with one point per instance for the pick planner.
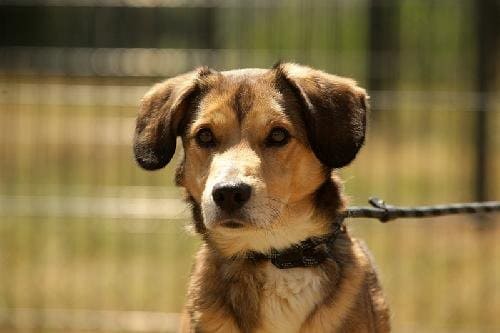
(374, 296)
(223, 295)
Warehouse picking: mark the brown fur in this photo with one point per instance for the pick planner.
(294, 196)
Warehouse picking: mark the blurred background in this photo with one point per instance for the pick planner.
(91, 243)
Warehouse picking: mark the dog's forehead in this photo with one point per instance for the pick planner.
(245, 73)
(239, 93)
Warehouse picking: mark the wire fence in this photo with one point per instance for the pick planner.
(89, 242)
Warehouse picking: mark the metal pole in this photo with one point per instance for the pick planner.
(383, 44)
(487, 48)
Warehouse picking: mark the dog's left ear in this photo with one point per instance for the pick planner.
(333, 110)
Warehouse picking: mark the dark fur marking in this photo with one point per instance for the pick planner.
(245, 292)
(179, 173)
(327, 198)
(242, 100)
(199, 226)
(292, 106)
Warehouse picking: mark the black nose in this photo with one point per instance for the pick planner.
(231, 196)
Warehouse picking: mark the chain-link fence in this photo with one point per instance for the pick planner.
(91, 243)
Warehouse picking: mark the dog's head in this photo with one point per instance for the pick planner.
(258, 146)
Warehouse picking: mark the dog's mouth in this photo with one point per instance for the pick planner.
(232, 224)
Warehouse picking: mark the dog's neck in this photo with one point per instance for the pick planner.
(278, 236)
(309, 252)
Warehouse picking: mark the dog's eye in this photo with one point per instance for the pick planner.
(205, 138)
(277, 137)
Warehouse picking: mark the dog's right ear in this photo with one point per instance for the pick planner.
(161, 112)
(333, 109)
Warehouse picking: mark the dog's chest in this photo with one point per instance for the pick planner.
(288, 297)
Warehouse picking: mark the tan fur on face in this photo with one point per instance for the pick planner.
(294, 196)
(283, 179)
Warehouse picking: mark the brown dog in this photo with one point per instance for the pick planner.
(259, 150)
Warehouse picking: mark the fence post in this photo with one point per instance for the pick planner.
(207, 31)
(383, 45)
(486, 51)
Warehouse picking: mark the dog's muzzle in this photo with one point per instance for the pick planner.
(230, 197)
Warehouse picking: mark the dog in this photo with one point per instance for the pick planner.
(261, 147)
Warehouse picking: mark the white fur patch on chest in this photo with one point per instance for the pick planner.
(288, 298)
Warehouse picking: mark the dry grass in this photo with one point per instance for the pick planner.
(440, 275)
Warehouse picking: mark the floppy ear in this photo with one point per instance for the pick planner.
(333, 110)
(161, 112)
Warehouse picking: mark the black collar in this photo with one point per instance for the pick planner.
(310, 252)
